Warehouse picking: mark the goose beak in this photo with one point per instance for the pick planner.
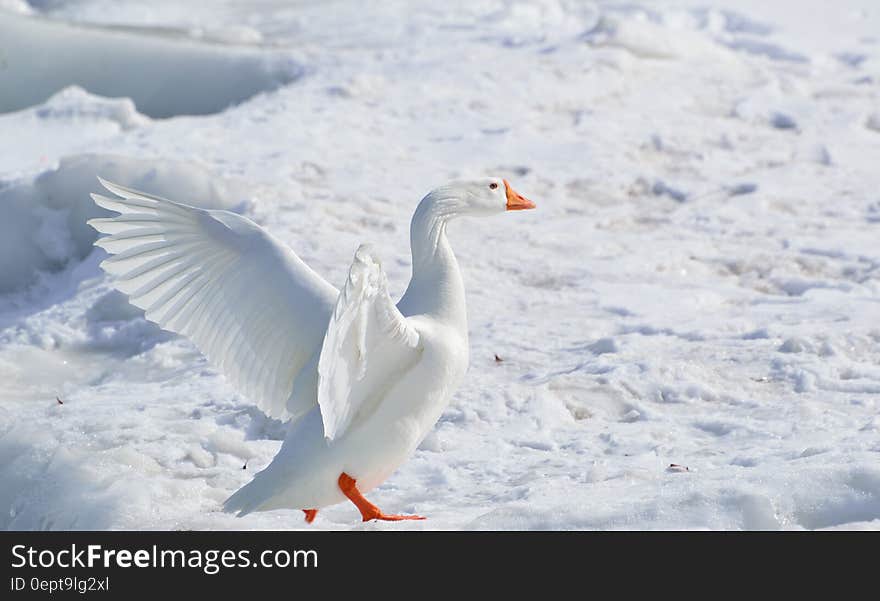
(516, 201)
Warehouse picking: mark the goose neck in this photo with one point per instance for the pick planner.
(436, 286)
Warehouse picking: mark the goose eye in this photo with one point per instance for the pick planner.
(493, 185)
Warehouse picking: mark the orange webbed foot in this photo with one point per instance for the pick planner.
(310, 515)
(348, 485)
(393, 518)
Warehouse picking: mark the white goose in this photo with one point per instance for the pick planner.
(362, 380)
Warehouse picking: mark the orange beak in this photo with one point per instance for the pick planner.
(515, 201)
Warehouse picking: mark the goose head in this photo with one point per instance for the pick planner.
(436, 287)
(478, 198)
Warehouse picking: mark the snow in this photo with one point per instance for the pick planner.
(164, 76)
(687, 326)
(45, 217)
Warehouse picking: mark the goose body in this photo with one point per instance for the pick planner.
(305, 471)
(362, 380)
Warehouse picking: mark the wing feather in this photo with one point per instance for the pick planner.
(368, 344)
(255, 310)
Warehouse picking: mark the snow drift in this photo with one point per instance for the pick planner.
(44, 225)
(163, 76)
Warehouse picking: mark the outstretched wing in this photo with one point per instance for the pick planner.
(367, 346)
(256, 311)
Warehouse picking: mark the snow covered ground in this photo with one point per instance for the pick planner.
(689, 324)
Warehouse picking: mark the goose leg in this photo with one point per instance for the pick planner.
(310, 514)
(367, 509)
